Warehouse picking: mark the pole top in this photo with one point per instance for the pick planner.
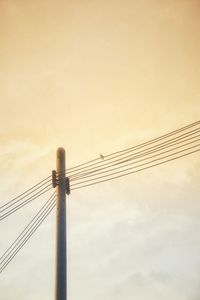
(60, 162)
(60, 151)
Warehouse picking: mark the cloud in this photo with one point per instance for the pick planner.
(21, 152)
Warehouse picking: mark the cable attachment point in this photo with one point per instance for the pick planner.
(54, 180)
(67, 186)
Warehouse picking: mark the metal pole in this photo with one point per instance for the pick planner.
(61, 263)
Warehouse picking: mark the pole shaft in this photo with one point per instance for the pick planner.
(61, 263)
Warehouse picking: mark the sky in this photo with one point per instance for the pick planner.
(97, 77)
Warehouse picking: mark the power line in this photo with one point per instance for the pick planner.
(42, 216)
(114, 158)
(79, 186)
(27, 238)
(136, 166)
(11, 211)
(174, 132)
(24, 193)
(110, 156)
(112, 166)
(133, 160)
(133, 157)
(7, 205)
(10, 253)
(32, 222)
(135, 147)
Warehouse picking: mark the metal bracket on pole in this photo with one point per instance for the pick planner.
(67, 186)
(55, 182)
(54, 179)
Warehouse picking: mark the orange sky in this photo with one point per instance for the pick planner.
(99, 76)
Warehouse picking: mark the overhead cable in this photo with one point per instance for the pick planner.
(26, 201)
(27, 192)
(135, 147)
(110, 176)
(134, 156)
(24, 236)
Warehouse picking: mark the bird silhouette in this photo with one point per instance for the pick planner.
(101, 156)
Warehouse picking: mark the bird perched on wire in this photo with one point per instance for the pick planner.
(101, 156)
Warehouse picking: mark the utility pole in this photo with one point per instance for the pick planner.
(59, 181)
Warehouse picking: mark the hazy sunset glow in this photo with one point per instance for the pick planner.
(96, 77)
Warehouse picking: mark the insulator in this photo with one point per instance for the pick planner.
(54, 183)
(67, 186)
